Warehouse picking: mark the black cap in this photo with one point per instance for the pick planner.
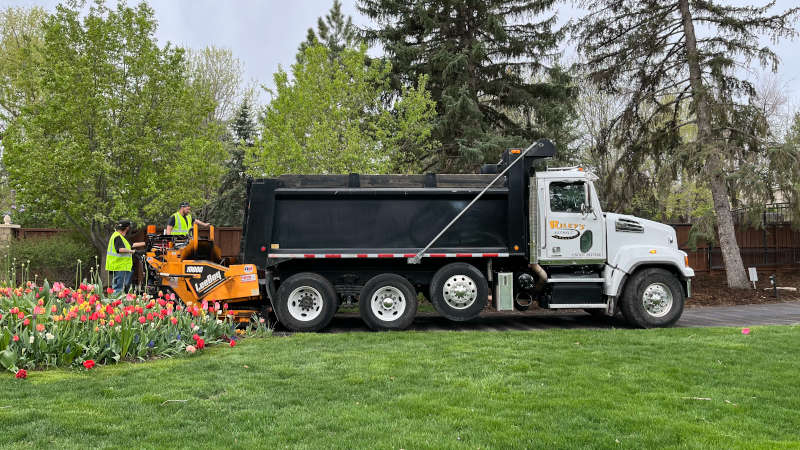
(184, 204)
(122, 224)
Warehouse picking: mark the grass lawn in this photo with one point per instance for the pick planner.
(561, 388)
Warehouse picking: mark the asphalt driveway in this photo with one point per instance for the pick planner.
(787, 313)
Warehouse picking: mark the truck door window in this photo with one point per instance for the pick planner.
(567, 196)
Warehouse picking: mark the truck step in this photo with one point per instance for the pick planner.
(575, 280)
(577, 305)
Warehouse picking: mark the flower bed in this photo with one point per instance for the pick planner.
(54, 326)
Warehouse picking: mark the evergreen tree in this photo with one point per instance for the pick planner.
(651, 50)
(229, 204)
(334, 31)
(481, 57)
(244, 124)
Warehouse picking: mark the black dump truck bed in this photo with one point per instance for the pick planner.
(332, 216)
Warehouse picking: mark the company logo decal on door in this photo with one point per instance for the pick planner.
(566, 234)
(566, 230)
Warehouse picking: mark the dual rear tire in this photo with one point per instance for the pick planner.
(307, 302)
(388, 302)
(458, 291)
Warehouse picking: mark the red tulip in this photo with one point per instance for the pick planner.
(174, 320)
(201, 343)
(89, 363)
(15, 338)
(233, 343)
(109, 291)
(196, 336)
(26, 322)
(21, 373)
(142, 319)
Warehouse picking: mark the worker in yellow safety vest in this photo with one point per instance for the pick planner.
(181, 222)
(119, 256)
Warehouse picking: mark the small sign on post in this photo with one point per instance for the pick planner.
(753, 275)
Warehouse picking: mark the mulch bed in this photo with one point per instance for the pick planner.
(711, 288)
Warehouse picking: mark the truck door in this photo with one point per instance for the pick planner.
(574, 229)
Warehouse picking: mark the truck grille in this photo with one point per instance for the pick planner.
(628, 226)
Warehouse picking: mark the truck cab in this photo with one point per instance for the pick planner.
(595, 258)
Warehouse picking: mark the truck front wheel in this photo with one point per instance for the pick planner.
(653, 298)
(388, 302)
(459, 291)
(306, 302)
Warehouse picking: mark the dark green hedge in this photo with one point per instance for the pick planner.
(54, 258)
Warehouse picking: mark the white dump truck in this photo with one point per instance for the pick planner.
(518, 232)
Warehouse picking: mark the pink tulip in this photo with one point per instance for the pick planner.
(745, 330)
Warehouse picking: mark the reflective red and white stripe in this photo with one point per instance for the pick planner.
(383, 255)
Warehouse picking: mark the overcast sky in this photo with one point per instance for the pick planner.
(266, 33)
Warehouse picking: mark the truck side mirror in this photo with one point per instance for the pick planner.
(586, 206)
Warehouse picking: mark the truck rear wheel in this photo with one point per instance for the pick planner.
(388, 302)
(653, 298)
(459, 291)
(306, 302)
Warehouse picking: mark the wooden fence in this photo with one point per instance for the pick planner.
(774, 245)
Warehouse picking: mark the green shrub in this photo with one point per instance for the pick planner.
(54, 258)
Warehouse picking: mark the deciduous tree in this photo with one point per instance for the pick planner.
(116, 130)
(217, 73)
(330, 117)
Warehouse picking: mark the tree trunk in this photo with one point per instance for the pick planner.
(734, 267)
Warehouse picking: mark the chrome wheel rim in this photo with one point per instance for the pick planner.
(388, 303)
(305, 303)
(657, 299)
(460, 291)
